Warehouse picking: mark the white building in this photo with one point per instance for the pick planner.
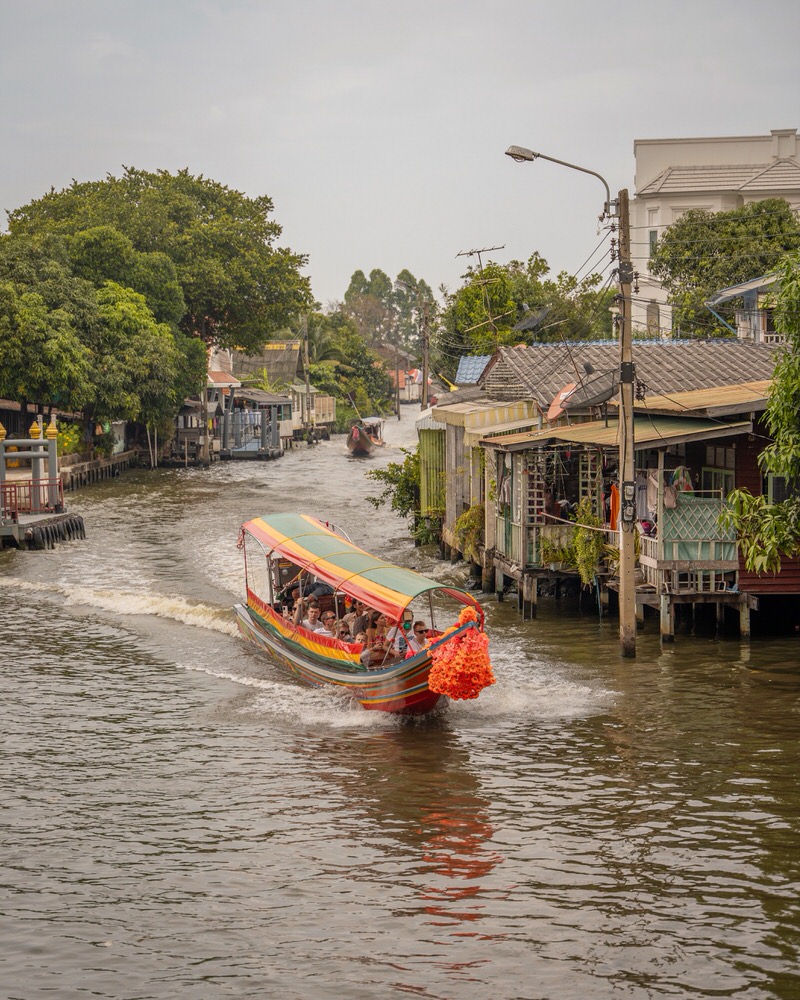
(713, 174)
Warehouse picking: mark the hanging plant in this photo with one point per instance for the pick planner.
(468, 531)
(588, 542)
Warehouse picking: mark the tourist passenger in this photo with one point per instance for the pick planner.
(318, 588)
(417, 638)
(342, 631)
(397, 637)
(378, 655)
(360, 618)
(307, 614)
(327, 618)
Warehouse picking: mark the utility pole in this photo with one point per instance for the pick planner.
(424, 393)
(627, 518)
(307, 419)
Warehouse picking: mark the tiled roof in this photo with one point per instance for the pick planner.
(541, 370)
(222, 379)
(470, 368)
(781, 176)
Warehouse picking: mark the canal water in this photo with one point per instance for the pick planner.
(179, 819)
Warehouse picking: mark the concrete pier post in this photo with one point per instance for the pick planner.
(36, 446)
(529, 595)
(744, 620)
(275, 428)
(52, 465)
(667, 619)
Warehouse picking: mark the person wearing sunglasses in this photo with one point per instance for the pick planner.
(417, 637)
(327, 619)
(342, 631)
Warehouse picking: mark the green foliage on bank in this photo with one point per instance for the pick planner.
(769, 532)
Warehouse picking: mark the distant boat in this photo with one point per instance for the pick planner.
(454, 662)
(365, 436)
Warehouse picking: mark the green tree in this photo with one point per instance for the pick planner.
(42, 358)
(136, 361)
(414, 302)
(495, 298)
(704, 252)
(238, 286)
(103, 253)
(768, 532)
(401, 488)
(369, 302)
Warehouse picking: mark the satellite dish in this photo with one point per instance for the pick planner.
(559, 400)
(594, 391)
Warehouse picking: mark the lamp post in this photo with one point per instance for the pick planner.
(627, 584)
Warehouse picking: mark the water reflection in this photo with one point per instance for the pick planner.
(414, 784)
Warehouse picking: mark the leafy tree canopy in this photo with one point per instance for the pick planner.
(767, 532)
(386, 311)
(481, 315)
(103, 253)
(704, 252)
(238, 287)
(41, 353)
(136, 360)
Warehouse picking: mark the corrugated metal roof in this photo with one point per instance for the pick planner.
(426, 422)
(716, 402)
(648, 432)
(470, 368)
(263, 398)
(734, 291)
(473, 435)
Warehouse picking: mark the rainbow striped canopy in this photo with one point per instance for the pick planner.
(311, 544)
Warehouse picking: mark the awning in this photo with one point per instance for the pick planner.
(648, 432)
(476, 434)
(734, 291)
(262, 398)
(311, 545)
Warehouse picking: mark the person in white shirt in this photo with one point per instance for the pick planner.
(307, 614)
(417, 637)
(326, 625)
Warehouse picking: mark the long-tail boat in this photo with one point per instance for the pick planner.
(365, 436)
(454, 663)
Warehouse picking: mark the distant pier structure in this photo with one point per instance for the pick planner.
(32, 513)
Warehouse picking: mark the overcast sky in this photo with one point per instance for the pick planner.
(378, 128)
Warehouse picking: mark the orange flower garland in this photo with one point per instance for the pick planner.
(461, 668)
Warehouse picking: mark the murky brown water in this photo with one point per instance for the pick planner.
(181, 820)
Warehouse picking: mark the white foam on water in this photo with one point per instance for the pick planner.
(295, 703)
(133, 602)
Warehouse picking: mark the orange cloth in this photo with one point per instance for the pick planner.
(613, 515)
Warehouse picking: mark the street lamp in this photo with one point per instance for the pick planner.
(521, 155)
(627, 555)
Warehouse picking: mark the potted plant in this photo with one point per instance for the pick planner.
(555, 552)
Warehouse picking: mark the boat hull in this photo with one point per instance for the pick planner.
(360, 446)
(401, 688)
(363, 439)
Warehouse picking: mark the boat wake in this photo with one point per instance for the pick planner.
(281, 700)
(132, 603)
